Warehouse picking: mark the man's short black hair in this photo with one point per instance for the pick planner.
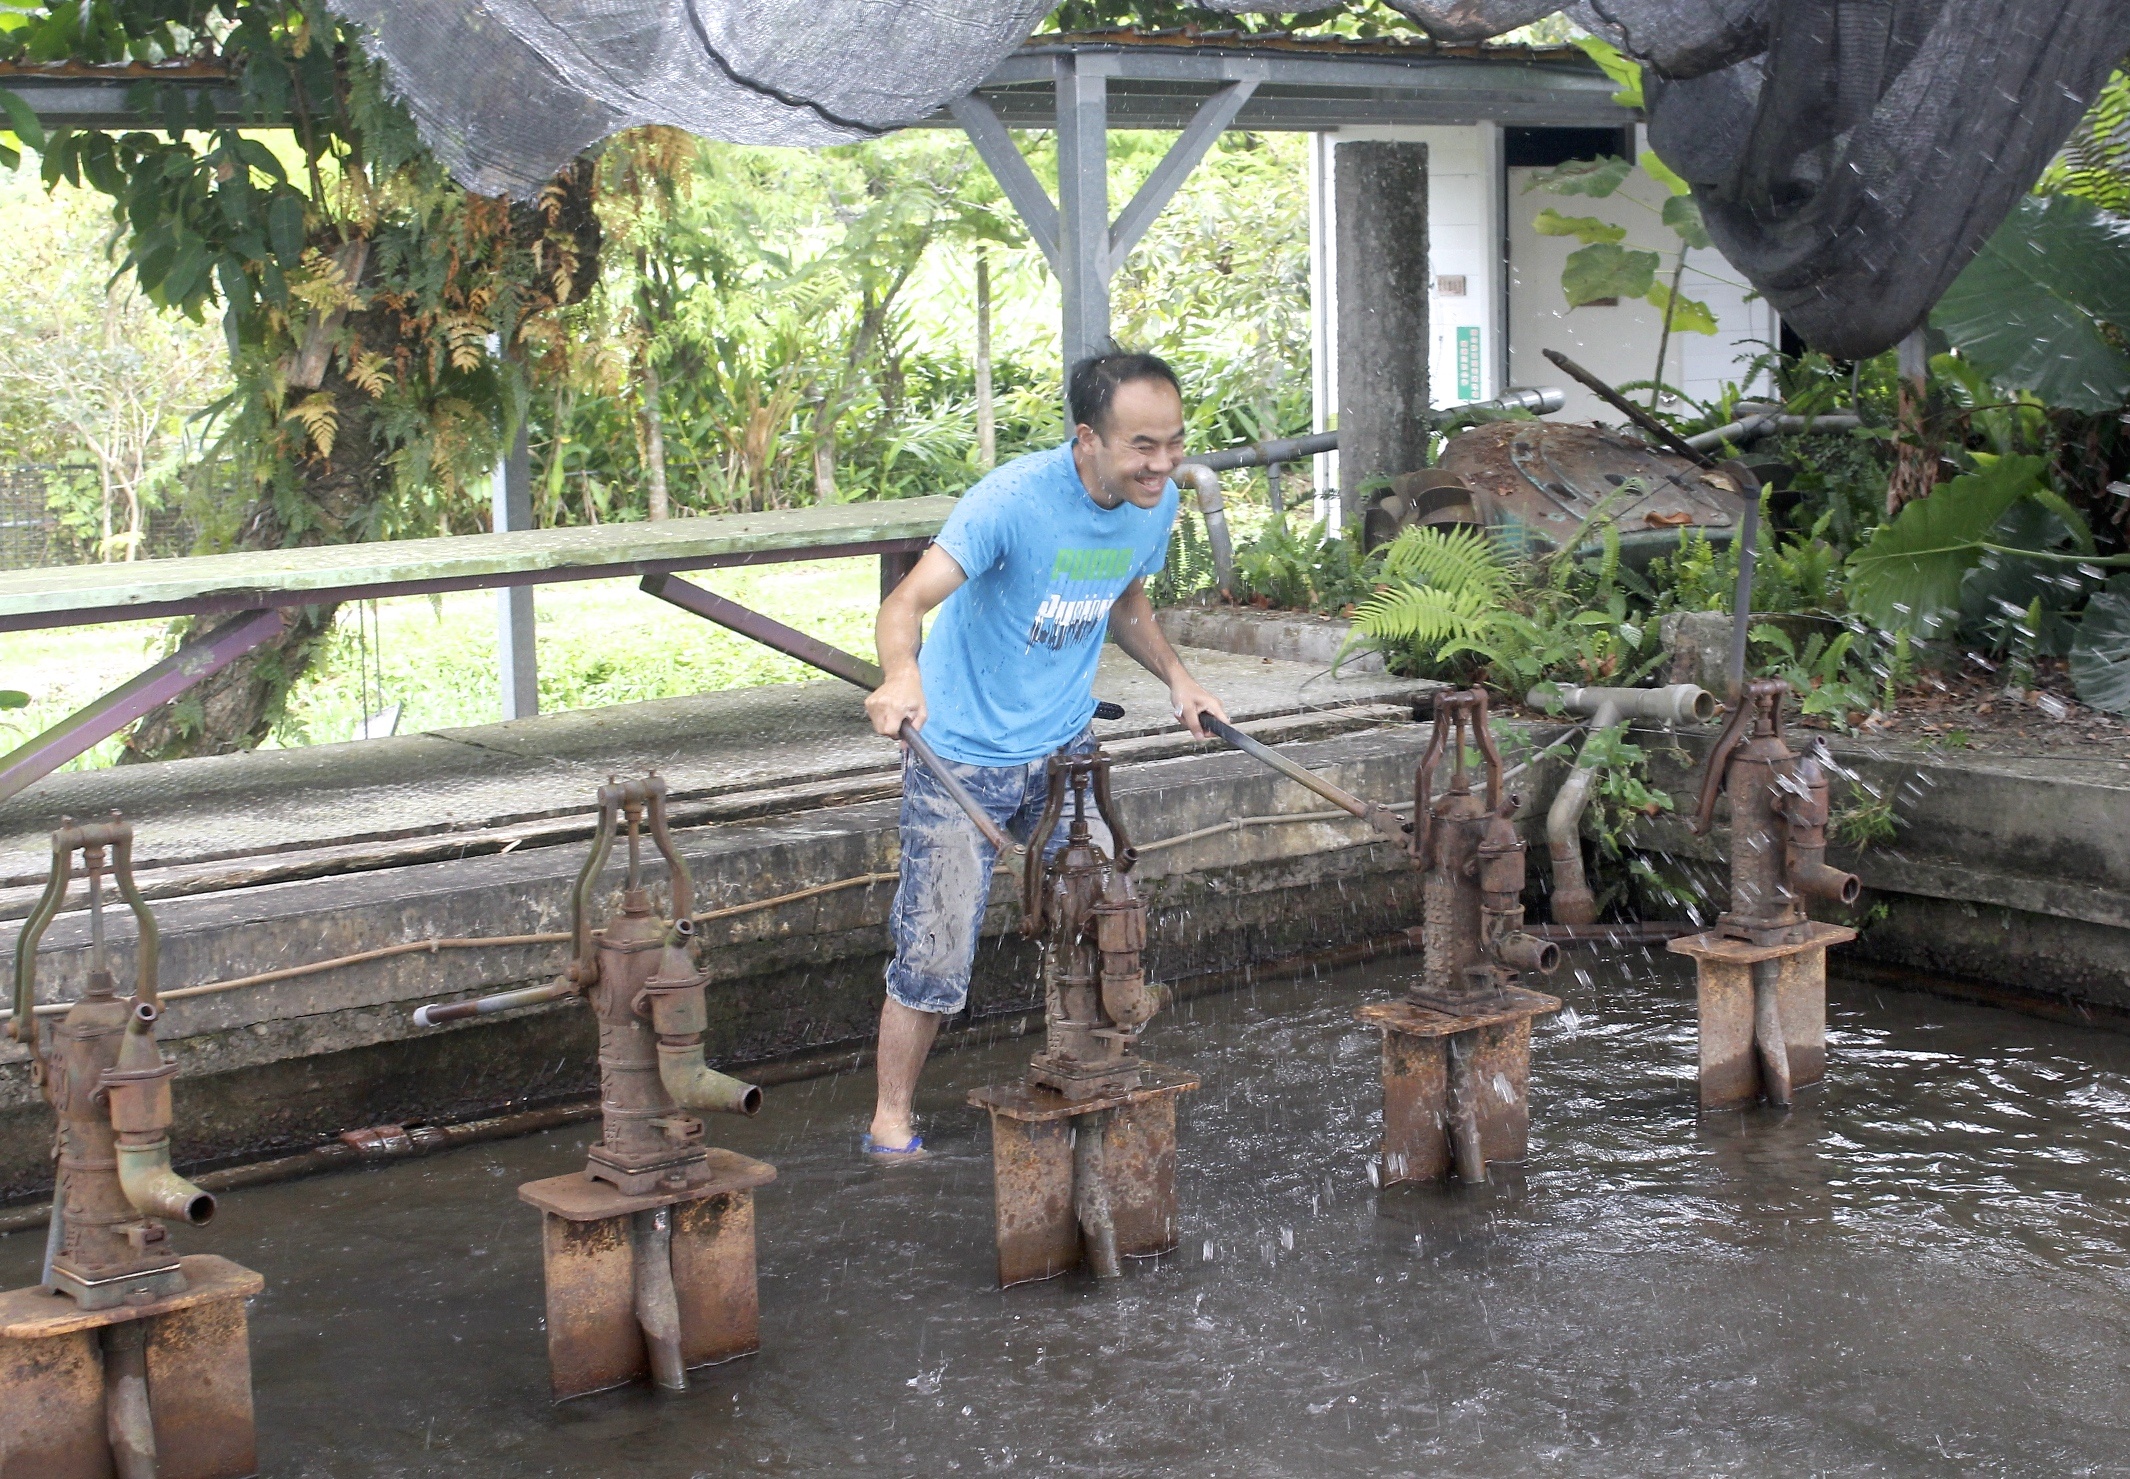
(1094, 381)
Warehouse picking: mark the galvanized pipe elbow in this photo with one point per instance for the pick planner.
(155, 1190)
(1206, 483)
(1572, 900)
(1680, 703)
(694, 1084)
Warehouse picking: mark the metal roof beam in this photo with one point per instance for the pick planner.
(1159, 187)
(1038, 212)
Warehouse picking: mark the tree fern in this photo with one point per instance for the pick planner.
(2095, 162)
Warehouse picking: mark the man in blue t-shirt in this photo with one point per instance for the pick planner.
(1039, 560)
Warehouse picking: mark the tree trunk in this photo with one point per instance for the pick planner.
(1915, 440)
(824, 455)
(986, 416)
(654, 438)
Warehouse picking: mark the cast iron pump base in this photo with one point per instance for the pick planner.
(1457, 1050)
(1083, 1148)
(129, 1360)
(649, 1250)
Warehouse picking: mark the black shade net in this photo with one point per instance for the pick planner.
(1849, 156)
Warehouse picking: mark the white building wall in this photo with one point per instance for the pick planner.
(1490, 337)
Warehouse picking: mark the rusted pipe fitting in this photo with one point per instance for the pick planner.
(1522, 952)
(1801, 799)
(695, 1085)
(137, 1089)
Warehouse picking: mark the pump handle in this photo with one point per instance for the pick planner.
(1761, 699)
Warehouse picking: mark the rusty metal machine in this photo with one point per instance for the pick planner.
(129, 1359)
(1457, 1050)
(650, 1248)
(1761, 974)
(1084, 1147)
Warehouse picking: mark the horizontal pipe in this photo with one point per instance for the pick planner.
(1680, 703)
(1752, 428)
(1539, 401)
(436, 1014)
(1653, 932)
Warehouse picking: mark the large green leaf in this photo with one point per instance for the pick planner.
(2100, 659)
(2029, 309)
(1688, 315)
(1911, 570)
(1605, 270)
(22, 119)
(1684, 217)
(1588, 230)
(1598, 177)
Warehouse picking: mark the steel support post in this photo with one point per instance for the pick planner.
(517, 669)
(85, 729)
(766, 630)
(1083, 203)
(895, 565)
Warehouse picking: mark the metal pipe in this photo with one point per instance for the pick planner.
(1464, 1091)
(657, 1302)
(128, 1422)
(1382, 818)
(436, 1014)
(1538, 400)
(1572, 899)
(951, 784)
(1768, 1039)
(155, 1190)
(1090, 1194)
(1206, 480)
(694, 1084)
(1752, 428)
(1748, 547)
(1664, 434)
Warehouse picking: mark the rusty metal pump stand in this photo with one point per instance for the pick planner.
(650, 1248)
(1761, 974)
(1457, 1050)
(129, 1359)
(1083, 1149)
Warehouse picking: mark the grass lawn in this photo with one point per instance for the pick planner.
(600, 642)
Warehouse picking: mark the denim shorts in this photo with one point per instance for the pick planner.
(946, 871)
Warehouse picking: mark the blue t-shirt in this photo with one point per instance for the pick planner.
(1009, 665)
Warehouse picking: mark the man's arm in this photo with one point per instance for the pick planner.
(896, 633)
(1131, 622)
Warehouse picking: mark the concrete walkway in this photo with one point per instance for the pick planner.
(233, 821)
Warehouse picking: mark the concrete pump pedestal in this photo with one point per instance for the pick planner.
(1442, 1067)
(1033, 1135)
(589, 1237)
(52, 1403)
(1754, 998)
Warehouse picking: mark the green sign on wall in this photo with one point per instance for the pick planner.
(1468, 376)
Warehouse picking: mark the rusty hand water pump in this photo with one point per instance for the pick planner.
(1457, 1050)
(1081, 904)
(1084, 1146)
(1471, 857)
(1779, 808)
(647, 993)
(125, 1299)
(109, 1084)
(650, 1250)
(1761, 974)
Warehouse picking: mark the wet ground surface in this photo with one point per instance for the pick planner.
(1924, 1269)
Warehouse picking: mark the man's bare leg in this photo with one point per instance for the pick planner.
(905, 1037)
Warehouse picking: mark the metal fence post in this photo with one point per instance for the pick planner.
(517, 673)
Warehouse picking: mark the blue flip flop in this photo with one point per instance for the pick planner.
(889, 1154)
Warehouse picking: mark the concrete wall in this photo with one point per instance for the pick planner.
(270, 1067)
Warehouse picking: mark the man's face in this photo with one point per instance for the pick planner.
(1132, 457)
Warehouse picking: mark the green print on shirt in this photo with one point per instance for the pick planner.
(1091, 564)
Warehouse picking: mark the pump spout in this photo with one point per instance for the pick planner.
(1522, 952)
(694, 1084)
(155, 1190)
(1811, 878)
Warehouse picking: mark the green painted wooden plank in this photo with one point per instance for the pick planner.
(78, 588)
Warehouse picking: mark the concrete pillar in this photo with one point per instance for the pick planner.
(1381, 268)
(517, 674)
(1083, 204)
